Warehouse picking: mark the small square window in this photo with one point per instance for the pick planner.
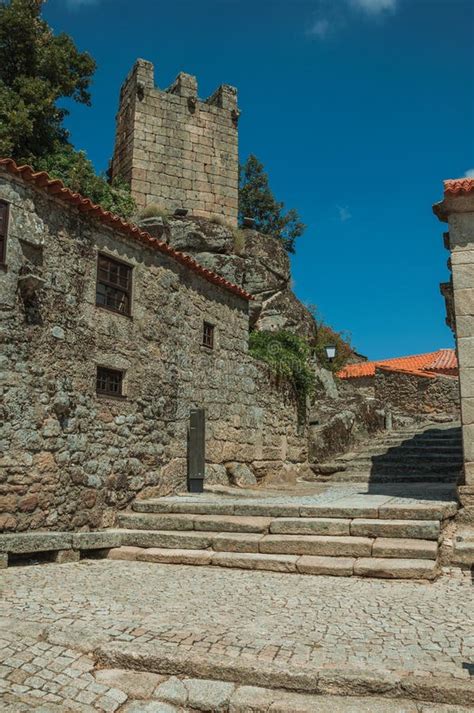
(4, 217)
(109, 381)
(208, 335)
(114, 285)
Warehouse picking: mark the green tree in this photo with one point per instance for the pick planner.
(75, 170)
(257, 201)
(37, 70)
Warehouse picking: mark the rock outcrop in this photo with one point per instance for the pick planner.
(258, 263)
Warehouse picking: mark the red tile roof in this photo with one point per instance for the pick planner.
(57, 188)
(443, 361)
(458, 185)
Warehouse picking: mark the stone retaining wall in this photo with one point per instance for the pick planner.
(417, 395)
(72, 458)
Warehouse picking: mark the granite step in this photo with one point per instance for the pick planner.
(314, 687)
(350, 507)
(404, 465)
(315, 545)
(325, 545)
(412, 529)
(366, 476)
(442, 437)
(404, 548)
(191, 521)
(388, 568)
(403, 450)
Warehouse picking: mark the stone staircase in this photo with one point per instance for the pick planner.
(358, 524)
(427, 453)
(366, 534)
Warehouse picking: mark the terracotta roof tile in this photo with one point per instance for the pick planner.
(458, 185)
(443, 361)
(57, 188)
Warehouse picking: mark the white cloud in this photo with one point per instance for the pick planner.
(319, 29)
(469, 173)
(375, 7)
(344, 213)
(333, 17)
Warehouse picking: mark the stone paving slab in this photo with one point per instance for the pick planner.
(413, 639)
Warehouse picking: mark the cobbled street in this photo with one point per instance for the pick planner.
(55, 616)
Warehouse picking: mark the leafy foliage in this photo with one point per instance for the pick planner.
(288, 357)
(257, 201)
(37, 69)
(326, 336)
(75, 170)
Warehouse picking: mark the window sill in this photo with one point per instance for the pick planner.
(114, 311)
(206, 349)
(111, 397)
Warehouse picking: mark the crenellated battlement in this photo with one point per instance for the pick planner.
(176, 149)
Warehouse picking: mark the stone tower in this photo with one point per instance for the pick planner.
(175, 149)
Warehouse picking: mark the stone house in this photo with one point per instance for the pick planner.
(422, 384)
(110, 337)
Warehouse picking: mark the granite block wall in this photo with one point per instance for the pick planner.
(175, 149)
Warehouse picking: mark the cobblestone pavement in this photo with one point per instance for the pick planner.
(54, 616)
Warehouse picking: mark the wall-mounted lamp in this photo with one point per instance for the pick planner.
(330, 352)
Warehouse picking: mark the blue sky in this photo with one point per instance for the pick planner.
(358, 109)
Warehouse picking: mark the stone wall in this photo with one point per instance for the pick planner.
(258, 263)
(176, 150)
(457, 209)
(72, 458)
(417, 395)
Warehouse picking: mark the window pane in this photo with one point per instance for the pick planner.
(113, 285)
(3, 219)
(109, 381)
(208, 335)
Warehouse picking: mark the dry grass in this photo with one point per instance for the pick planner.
(154, 210)
(239, 240)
